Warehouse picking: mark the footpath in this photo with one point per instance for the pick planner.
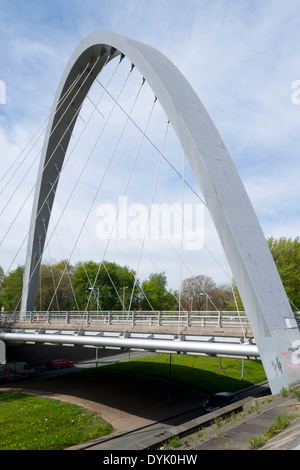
(229, 428)
(221, 431)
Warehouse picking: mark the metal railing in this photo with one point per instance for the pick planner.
(202, 319)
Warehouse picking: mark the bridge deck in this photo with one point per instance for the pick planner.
(213, 331)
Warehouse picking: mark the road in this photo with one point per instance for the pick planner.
(129, 440)
(43, 372)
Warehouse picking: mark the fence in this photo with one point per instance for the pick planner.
(201, 319)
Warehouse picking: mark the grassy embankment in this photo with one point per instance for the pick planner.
(208, 374)
(28, 422)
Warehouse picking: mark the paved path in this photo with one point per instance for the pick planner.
(232, 436)
(236, 435)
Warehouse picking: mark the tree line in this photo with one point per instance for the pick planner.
(110, 286)
(88, 285)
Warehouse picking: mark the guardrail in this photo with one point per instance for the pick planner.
(223, 319)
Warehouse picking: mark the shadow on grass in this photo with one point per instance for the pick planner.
(140, 388)
(9, 397)
(151, 390)
(205, 381)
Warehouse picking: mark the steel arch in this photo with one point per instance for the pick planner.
(268, 309)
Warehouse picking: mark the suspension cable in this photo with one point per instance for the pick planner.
(60, 103)
(144, 136)
(181, 244)
(56, 179)
(132, 168)
(105, 172)
(151, 202)
(227, 273)
(38, 178)
(154, 146)
(184, 182)
(41, 129)
(46, 198)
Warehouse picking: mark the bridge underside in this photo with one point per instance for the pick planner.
(216, 345)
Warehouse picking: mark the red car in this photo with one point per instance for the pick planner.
(59, 363)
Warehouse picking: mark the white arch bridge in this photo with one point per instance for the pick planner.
(272, 321)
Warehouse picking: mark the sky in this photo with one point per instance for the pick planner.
(241, 57)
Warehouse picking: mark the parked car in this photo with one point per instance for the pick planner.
(59, 363)
(15, 370)
(219, 400)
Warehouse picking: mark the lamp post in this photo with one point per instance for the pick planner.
(97, 297)
(124, 298)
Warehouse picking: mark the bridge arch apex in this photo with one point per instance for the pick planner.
(244, 244)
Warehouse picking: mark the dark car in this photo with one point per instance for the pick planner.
(218, 400)
(59, 363)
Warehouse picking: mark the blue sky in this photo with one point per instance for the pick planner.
(241, 57)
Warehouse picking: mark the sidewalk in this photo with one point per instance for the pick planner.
(236, 434)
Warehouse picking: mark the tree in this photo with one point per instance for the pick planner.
(155, 294)
(11, 289)
(236, 302)
(286, 254)
(105, 285)
(202, 293)
(54, 288)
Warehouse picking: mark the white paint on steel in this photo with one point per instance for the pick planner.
(2, 352)
(173, 346)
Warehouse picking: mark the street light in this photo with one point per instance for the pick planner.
(93, 289)
(124, 298)
(203, 293)
(97, 289)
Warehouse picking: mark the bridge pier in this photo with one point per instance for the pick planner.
(2, 352)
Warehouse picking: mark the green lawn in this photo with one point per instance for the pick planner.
(33, 423)
(28, 422)
(211, 375)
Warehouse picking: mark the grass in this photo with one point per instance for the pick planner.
(278, 424)
(296, 394)
(33, 423)
(201, 373)
(285, 392)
